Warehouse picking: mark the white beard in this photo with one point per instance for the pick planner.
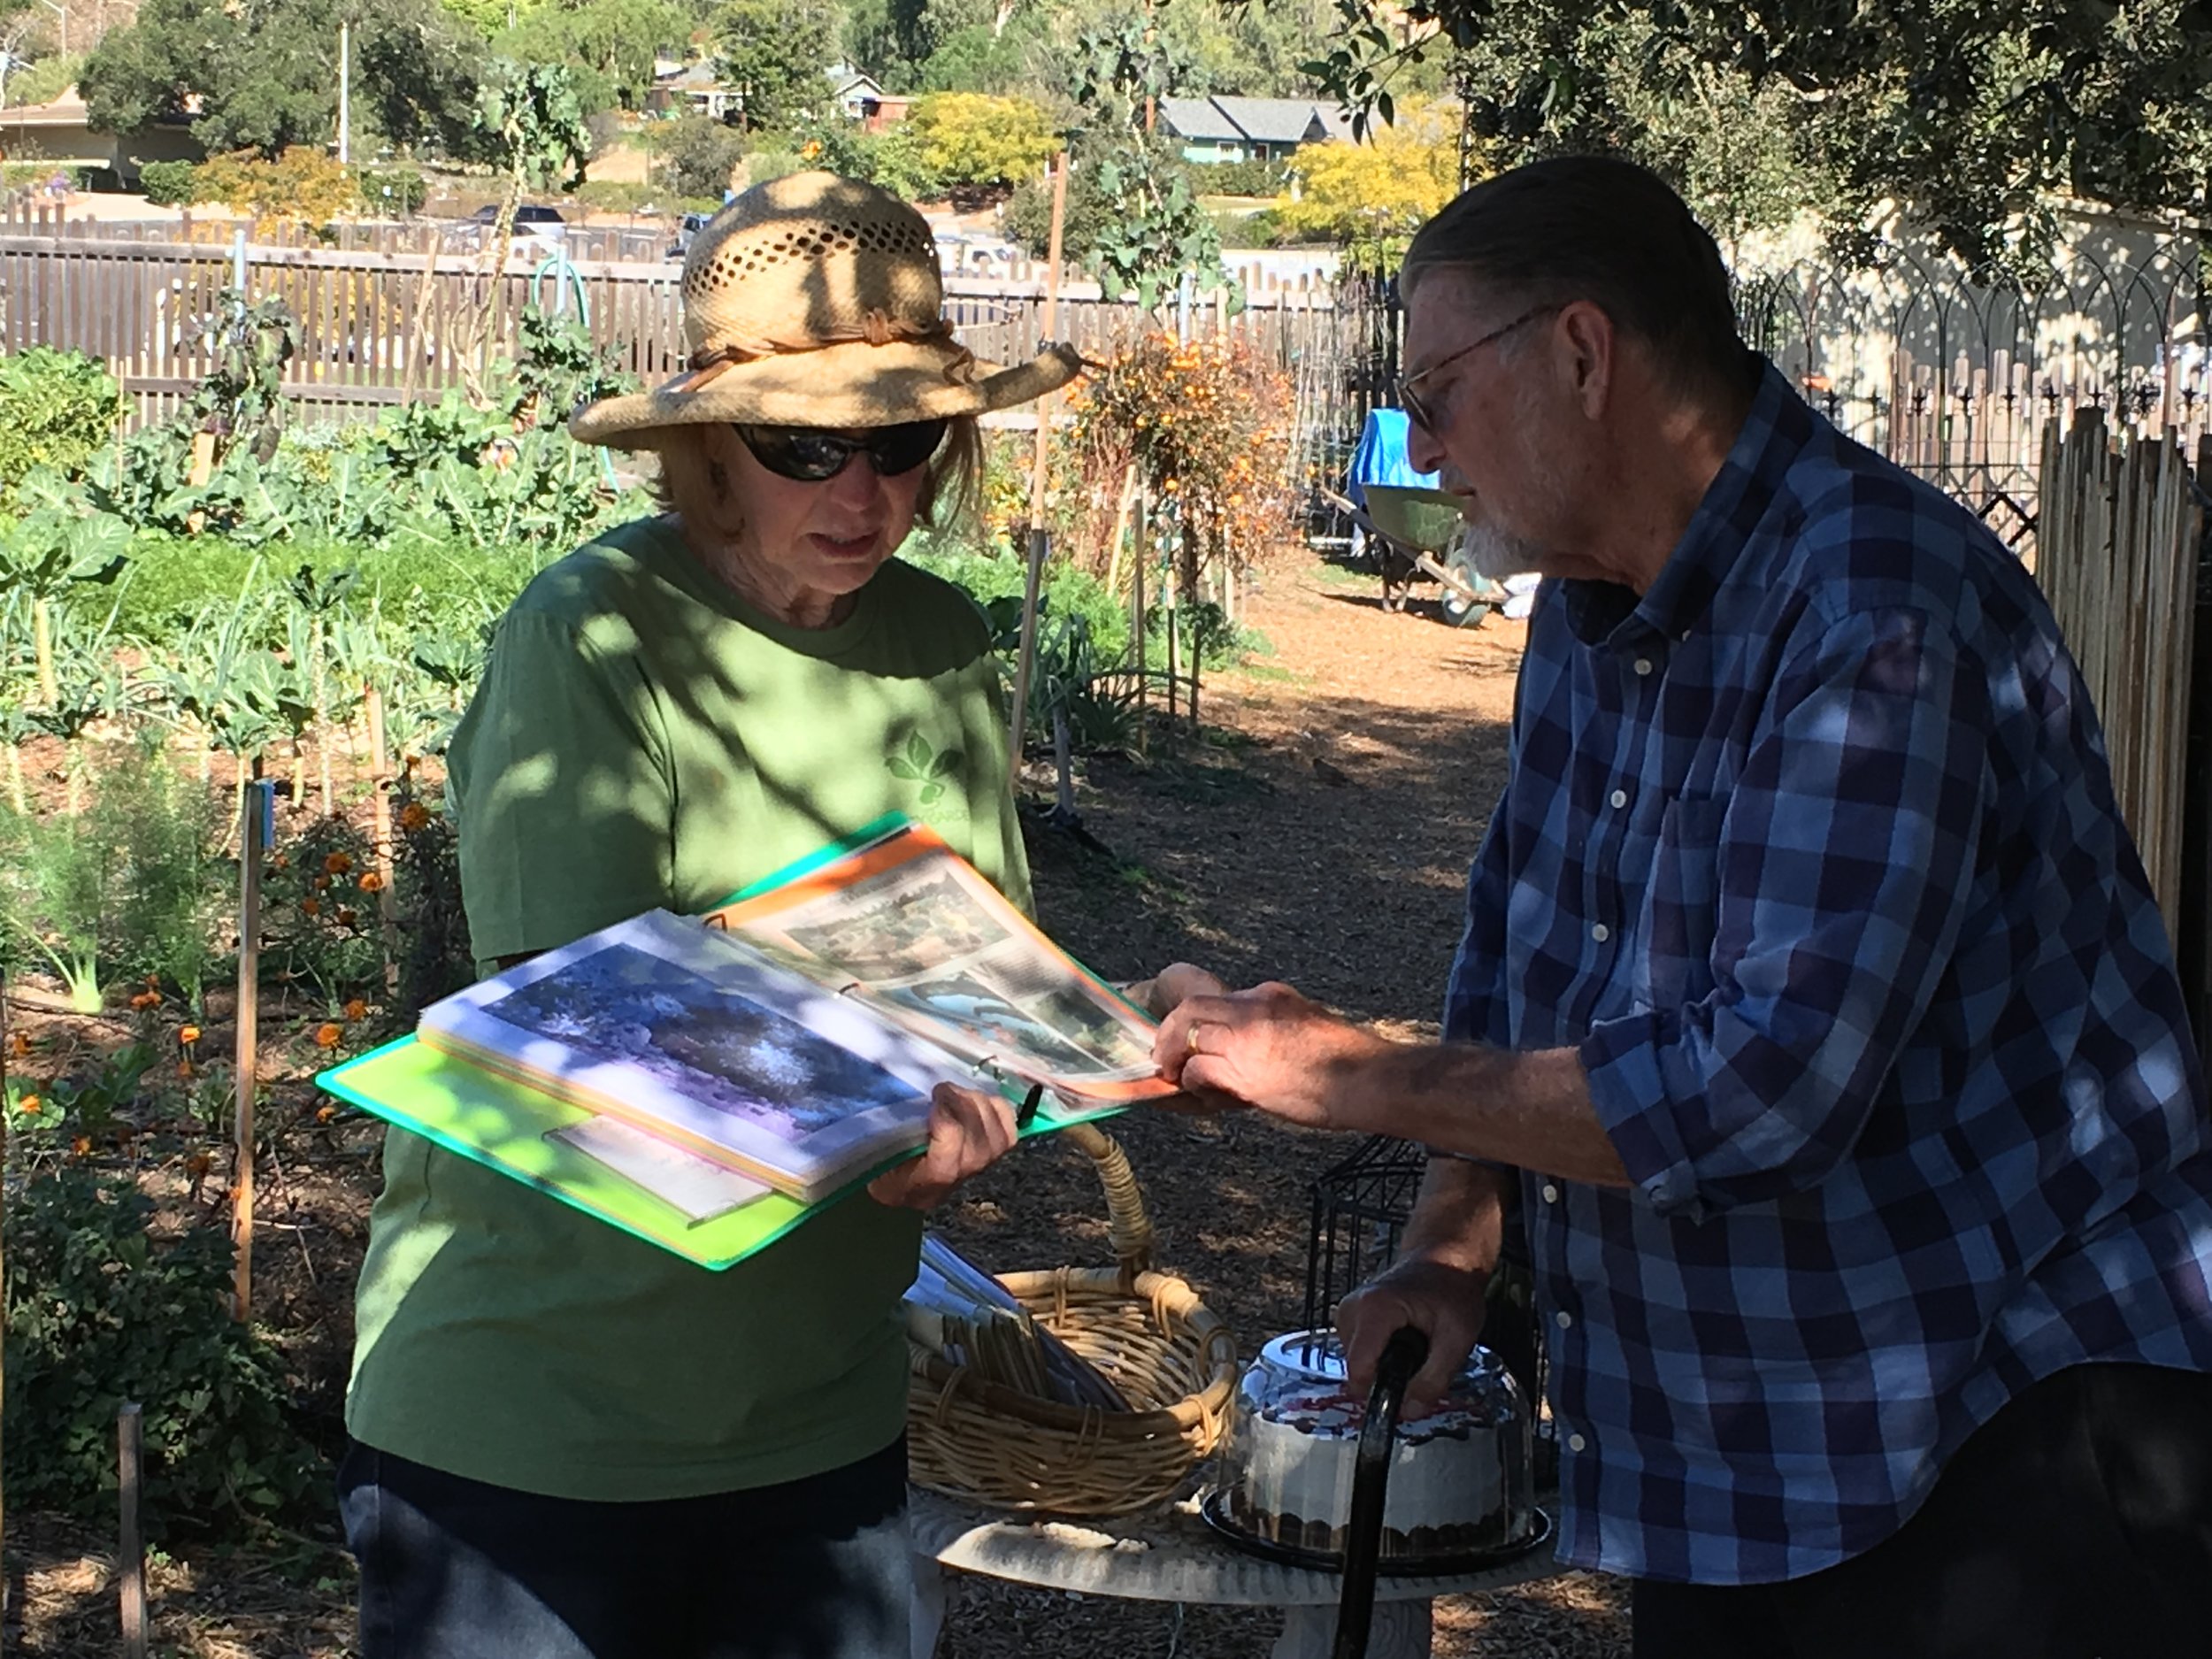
(1497, 554)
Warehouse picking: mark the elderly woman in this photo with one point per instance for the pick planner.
(566, 1442)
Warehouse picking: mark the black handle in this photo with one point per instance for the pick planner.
(1406, 1352)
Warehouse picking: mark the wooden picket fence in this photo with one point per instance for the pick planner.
(395, 313)
(2119, 545)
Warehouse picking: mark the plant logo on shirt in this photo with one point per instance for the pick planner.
(923, 762)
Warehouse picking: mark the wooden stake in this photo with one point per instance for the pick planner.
(131, 1559)
(1025, 659)
(1136, 608)
(380, 810)
(3, 1276)
(260, 803)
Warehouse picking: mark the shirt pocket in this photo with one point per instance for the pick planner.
(1678, 914)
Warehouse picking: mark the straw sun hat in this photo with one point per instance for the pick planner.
(815, 301)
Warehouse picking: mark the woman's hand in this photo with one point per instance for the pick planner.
(969, 1131)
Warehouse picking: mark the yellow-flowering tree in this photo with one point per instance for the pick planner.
(1371, 197)
(969, 138)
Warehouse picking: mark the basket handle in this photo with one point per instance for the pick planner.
(1127, 1227)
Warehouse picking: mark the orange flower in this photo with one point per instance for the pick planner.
(19, 1045)
(324, 1114)
(357, 1009)
(338, 864)
(81, 1145)
(30, 1105)
(146, 999)
(328, 1033)
(311, 907)
(189, 1035)
(414, 816)
(371, 883)
(322, 884)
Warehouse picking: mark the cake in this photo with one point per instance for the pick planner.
(1459, 1476)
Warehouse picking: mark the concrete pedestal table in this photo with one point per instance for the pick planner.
(1175, 1556)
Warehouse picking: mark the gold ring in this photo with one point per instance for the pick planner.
(1190, 1038)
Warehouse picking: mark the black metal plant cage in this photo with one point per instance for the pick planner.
(1360, 1209)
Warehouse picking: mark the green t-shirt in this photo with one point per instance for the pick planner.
(642, 737)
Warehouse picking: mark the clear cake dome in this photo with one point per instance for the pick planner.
(1460, 1489)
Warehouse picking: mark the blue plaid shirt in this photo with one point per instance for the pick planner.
(1812, 853)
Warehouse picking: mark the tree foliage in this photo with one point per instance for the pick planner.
(1369, 199)
(613, 42)
(777, 53)
(699, 154)
(969, 138)
(1970, 113)
(262, 74)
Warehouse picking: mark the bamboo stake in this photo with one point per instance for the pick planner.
(381, 809)
(252, 830)
(3, 1276)
(131, 1563)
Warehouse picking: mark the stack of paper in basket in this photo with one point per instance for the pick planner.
(966, 1317)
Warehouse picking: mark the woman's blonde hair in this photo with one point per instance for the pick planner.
(697, 488)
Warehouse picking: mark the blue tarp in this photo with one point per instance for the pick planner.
(1380, 457)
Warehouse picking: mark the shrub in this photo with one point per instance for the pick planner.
(167, 183)
(99, 1313)
(56, 409)
(699, 154)
(764, 166)
(300, 184)
(393, 190)
(968, 138)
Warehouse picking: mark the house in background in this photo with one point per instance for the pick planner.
(1226, 128)
(61, 132)
(861, 99)
(692, 89)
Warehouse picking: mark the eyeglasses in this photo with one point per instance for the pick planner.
(1419, 412)
(810, 455)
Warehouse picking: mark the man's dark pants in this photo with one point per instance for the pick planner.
(2076, 1525)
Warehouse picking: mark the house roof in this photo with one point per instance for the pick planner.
(1199, 118)
(693, 78)
(1273, 120)
(1226, 119)
(843, 81)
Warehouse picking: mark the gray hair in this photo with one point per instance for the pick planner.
(1595, 228)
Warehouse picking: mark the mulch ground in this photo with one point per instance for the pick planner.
(1316, 830)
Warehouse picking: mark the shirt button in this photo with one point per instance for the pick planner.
(1551, 1193)
(1643, 666)
(1575, 1442)
(1566, 1320)
(1600, 932)
(1620, 799)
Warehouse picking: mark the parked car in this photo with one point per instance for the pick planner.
(689, 225)
(531, 219)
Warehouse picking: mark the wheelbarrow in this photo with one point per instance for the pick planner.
(1416, 530)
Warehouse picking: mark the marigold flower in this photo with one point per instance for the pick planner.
(146, 999)
(311, 907)
(356, 1009)
(338, 864)
(328, 1034)
(19, 1045)
(372, 882)
(188, 1035)
(322, 884)
(81, 1145)
(414, 816)
(30, 1105)
(324, 1114)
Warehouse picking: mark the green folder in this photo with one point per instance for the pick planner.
(507, 1126)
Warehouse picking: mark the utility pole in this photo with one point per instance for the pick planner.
(345, 94)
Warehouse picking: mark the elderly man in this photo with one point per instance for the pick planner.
(1812, 1007)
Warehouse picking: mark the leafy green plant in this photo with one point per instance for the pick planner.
(99, 1311)
(167, 183)
(57, 409)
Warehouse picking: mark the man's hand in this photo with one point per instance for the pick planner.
(1269, 1046)
(1443, 1301)
(1173, 986)
(969, 1131)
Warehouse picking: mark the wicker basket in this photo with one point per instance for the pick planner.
(1170, 1358)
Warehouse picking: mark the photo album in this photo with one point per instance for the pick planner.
(704, 1081)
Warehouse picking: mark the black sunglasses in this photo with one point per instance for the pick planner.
(812, 455)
